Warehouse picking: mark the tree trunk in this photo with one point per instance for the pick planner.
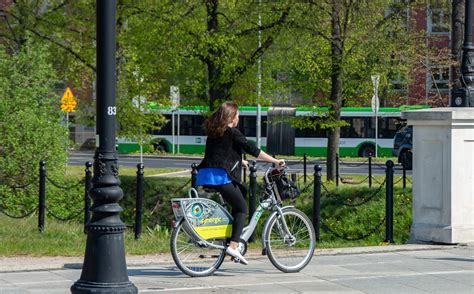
(336, 89)
(457, 31)
(217, 91)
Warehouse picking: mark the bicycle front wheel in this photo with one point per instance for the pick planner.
(290, 250)
(192, 258)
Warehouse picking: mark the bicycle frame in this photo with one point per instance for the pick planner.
(270, 203)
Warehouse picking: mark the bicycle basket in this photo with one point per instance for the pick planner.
(284, 186)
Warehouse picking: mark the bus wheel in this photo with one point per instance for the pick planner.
(159, 147)
(367, 150)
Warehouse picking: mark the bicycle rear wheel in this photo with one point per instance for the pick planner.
(290, 252)
(192, 258)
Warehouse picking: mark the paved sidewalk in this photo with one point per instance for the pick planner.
(378, 269)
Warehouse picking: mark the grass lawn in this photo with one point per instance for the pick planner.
(22, 237)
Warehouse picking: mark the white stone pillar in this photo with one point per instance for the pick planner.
(443, 174)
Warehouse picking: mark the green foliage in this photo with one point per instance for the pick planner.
(31, 122)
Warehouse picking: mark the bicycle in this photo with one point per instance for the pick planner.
(202, 227)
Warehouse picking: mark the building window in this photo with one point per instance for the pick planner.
(398, 81)
(438, 78)
(438, 13)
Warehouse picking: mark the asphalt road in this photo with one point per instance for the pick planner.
(346, 168)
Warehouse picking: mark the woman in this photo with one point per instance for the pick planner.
(222, 165)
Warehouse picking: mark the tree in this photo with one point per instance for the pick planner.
(68, 28)
(31, 123)
(346, 42)
(209, 45)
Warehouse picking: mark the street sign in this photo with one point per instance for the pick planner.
(375, 103)
(68, 101)
(139, 102)
(174, 94)
(375, 81)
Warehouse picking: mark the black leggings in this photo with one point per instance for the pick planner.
(234, 194)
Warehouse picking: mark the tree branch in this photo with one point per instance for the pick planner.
(68, 49)
(278, 22)
(374, 28)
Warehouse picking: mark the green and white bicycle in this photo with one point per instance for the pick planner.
(203, 226)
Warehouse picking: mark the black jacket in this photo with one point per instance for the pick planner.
(226, 152)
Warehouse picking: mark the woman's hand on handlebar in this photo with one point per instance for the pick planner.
(280, 162)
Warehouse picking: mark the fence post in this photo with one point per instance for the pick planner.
(194, 173)
(252, 193)
(317, 200)
(42, 195)
(139, 201)
(304, 167)
(404, 170)
(337, 169)
(389, 203)
(87, 199)
(370, 171)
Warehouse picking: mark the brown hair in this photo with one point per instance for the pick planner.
(216, 124)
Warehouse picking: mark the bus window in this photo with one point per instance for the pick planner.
(191, 125)
(388, 127)
(185, 125)
(248, 126)
(198, 128)
(311, 133)
(358, 127)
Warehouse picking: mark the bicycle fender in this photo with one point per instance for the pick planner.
(267, 224)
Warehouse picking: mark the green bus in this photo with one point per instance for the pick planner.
(357, 137)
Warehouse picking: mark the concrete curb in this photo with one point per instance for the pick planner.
(31, 263)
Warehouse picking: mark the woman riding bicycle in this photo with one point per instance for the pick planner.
(221, 167)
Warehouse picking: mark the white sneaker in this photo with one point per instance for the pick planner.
(236, 254)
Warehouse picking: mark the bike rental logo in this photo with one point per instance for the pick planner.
(197, 209)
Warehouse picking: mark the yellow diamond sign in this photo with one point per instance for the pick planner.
(68, 101)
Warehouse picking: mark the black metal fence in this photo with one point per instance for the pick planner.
(388, 184)
(318, 186)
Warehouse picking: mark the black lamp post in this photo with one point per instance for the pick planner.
(104, 269)
(464, 96)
